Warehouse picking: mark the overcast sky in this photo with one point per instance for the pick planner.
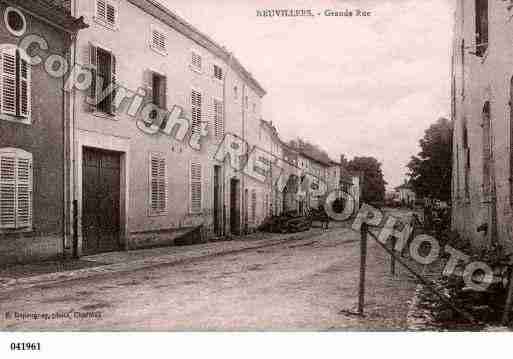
(356, 86)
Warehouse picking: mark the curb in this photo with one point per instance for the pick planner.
(129, 266)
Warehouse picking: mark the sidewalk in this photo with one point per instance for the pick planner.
(19, 277)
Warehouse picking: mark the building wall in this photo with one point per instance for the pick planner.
(134, 57)
(44, 139)
(475, 81)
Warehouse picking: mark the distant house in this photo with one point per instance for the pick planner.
(407, 195)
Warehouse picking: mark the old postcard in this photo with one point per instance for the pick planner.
(255, 166)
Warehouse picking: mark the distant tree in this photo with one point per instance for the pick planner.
(430, 171)
(373, 186)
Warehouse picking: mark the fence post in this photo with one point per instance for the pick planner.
(392, 257)
(363, 263)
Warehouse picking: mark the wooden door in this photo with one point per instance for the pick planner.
(100, 201)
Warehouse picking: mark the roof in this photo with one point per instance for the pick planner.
(171, 19)
(56, 12)
(316, 158)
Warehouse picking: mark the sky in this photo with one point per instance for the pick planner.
(358, 86)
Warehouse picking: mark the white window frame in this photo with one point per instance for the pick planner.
(16, 115)
(18, 154)
(193, 210)
(103, 21)
(153, 46)
(192, 65)
(154, 212)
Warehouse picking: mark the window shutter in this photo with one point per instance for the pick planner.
(113, 80)
(24, 195)
(101, 9)
(196, 111)
(196, 184)
(218, 119)
(24, 87)
(7, 191)
(111, 14)
(158, 183)
(196, 61)
(158, 40)
(93, 60)
(253, 206)
(9, 81)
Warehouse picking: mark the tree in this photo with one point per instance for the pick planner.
(430, 171)
(373, 186)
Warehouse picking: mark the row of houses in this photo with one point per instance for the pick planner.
(115, 165)
(482, 98)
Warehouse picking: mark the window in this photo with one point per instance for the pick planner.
(158, 40)
(487, 150)
(159, 90)
(196, 111)
(246, 102)
(218, 72)
(254, 107)
(15, 21)
(481, 26)
(218, 119)
(158, 185)
(196, 61)
(103, 65)
(15, 83)
(253, 206)
(235, 92)
(196, 184)
(15, 189)
(107, 12)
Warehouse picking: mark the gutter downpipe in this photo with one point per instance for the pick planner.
(223, 188)
(73, 173)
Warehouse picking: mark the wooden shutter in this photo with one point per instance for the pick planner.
(218, 119)
(158, 40)
(101, 9)
(196, 111)
(9, 81)
(196, 61)
(24, 87)
(158, 184)
(16, 185)
(93, 61)
(113, 81)
(253, 206)
(7, 191)
(196, 185)
(111, 14)
(24, 193)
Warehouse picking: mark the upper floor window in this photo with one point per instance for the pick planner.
(15, 189)
(159, 90)
(158, 40)
(107, 12)
(15, 83)
(218, 119)
(235, 92)
(218, 72)
(481, 26)
(196, 102)
(196, 61)
(103, 68)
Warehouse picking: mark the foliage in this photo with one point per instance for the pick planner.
(430, 171)
(373, 186)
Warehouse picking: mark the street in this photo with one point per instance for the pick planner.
(301, 285)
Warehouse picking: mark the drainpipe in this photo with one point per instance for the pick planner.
(73, 173)
(243, 192)
(223, 187)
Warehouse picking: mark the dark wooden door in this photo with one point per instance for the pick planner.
(235, 206)
(217, 201)
(100, 202)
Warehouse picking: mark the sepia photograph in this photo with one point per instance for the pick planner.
(255, 166)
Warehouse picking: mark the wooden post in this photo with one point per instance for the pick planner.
(392, 257)
(509, 298)
(363, 263)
